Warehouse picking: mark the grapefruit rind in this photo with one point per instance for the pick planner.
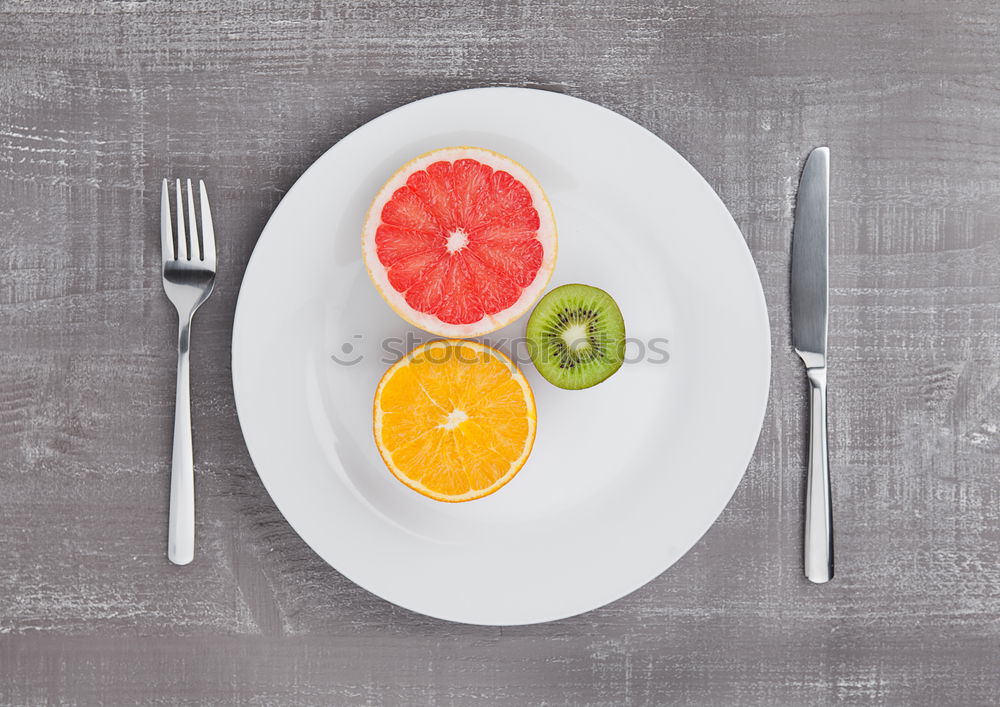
(547, 235)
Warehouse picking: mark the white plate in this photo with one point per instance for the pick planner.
(624, 477)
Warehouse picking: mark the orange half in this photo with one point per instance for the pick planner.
(454, 420)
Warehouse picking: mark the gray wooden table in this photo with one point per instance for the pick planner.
(100, 99)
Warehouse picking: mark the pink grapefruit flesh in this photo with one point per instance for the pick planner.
(460, 241)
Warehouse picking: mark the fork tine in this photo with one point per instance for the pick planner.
(207, 229)
(166, 229)
(182, 248)
(193, 225)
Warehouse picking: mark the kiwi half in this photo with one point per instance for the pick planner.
(576, 336)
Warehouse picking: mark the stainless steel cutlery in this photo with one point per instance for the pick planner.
(189, 263)
(810, 237)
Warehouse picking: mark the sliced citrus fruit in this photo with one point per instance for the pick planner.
(460, 241)
(454, 420)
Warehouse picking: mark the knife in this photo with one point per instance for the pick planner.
(809, 321)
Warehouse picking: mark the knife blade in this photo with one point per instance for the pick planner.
(809, 259)
(809, 295)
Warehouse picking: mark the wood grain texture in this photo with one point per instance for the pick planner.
(100, 99)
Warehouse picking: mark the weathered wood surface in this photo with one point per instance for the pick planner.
(99, 100)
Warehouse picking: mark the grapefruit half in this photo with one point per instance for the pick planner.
(460, 241)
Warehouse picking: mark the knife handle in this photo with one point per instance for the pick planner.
(819, 507)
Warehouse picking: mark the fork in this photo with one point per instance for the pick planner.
(188, 279)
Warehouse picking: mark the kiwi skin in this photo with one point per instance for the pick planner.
(604, 351)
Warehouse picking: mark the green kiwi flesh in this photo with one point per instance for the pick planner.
(576, 336)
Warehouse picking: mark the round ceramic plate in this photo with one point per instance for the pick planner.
(624, 477)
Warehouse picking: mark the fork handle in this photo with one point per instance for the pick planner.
(180, 543)
(819, 506)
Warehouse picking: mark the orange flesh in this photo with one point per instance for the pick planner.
(454, 420)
